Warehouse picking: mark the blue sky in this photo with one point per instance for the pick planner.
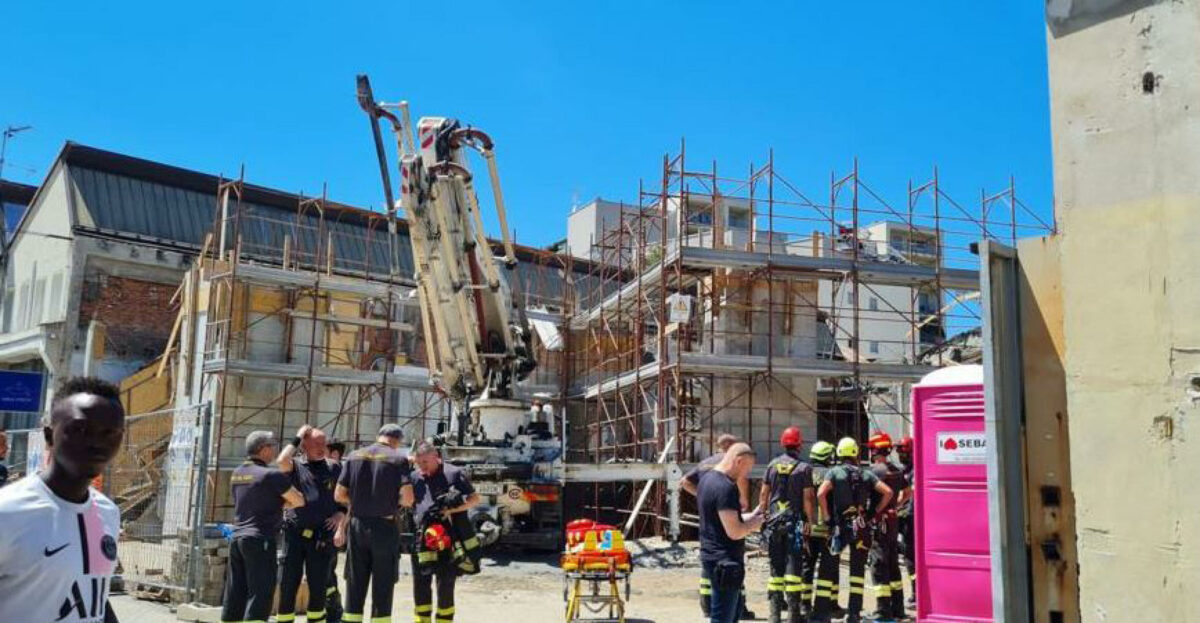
(583, 99)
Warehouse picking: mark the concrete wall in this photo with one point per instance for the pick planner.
(1125, 103)
(39, 261)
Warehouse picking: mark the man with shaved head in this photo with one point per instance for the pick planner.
(308, 531)
(723, 530)
(58, 545)
(690, 483)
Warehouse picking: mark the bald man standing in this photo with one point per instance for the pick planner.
(308, 531)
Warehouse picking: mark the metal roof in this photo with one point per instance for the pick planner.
(121, 196)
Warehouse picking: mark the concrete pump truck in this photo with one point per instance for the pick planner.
(478, 343)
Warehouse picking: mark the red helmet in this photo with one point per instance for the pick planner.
(436, 538)
(880, 441)
(791, 437)
(904, 445)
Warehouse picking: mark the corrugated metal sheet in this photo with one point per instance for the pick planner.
(174, 215)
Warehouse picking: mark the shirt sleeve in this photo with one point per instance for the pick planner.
(769, 478)
(281, 481)
(730, 499)
(870, 477)
(343, 477)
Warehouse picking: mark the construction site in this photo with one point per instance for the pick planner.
(583, 379)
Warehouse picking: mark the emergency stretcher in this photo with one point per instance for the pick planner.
(594, 564)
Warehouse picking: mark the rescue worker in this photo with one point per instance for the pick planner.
(260, 493)
(788, 496)
(821, 459)
(885, 545)
(333, 597)
(374, 483)
(844, 498)
(690, 484)
(908, 545)
(431, 482)
(308, 530)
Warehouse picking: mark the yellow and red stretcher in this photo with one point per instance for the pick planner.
(594, 562)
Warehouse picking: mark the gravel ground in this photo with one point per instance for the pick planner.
(527, 587)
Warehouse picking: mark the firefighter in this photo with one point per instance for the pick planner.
(908, 545)
(885, 546)
(308, 531)
(333, 598)
(374, 483)
(788, 496)
(446, 490)
(844, 498)
(260, 493)
(690, 484)
(821, 459)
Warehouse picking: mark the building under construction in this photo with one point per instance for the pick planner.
(714, 303)
(720, 303)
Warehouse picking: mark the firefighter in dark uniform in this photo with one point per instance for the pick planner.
(333, 598)
(432, 480)
(690, 484)
(821, 459)
(908, 544)
(844, 499)
(885, 547)
(788, 496)
(308, 530)
(374, 483)
(260, 493)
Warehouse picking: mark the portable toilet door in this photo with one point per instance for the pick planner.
(951, 500)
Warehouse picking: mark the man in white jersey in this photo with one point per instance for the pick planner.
(58, 545)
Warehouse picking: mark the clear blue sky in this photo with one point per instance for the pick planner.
(582, 98)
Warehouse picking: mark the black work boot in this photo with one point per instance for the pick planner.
(775, 614)
(796, 612)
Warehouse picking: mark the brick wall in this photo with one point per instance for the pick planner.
(137, 314)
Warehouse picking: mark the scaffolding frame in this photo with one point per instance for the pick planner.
(647, 389)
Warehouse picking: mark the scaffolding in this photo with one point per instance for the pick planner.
(299, 318)
(726, 304)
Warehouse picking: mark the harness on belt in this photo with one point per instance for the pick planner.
(440, 543)
(851, 526)
(783, 515)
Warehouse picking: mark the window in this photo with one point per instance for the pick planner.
(873, 304)
(873, 348)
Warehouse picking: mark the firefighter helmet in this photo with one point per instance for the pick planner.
(791, 437)
(880, 442)
(905, 445)
(847, 448)
(821, 452)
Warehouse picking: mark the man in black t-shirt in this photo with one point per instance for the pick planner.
(374, 483)
(691, 481)
(431, 482)
(723, 530)
(260, 493)
(308, 530)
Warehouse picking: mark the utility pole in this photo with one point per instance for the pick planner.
(9, 132)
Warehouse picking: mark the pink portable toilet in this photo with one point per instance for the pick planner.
(951, 517)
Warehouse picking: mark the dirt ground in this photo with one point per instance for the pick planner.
(520, 588)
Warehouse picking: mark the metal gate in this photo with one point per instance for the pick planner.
(153, 481)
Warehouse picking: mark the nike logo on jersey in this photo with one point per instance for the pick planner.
(50, 552)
